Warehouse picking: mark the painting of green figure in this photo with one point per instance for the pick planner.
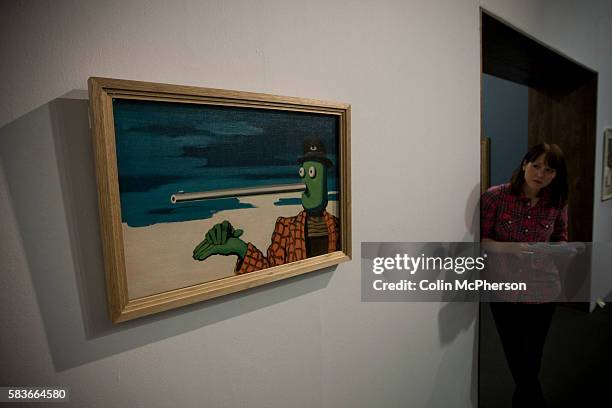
(176, 163)
(313, 231)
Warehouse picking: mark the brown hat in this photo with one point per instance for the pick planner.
(314, 150)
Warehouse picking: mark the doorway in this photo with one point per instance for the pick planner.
(530, 94)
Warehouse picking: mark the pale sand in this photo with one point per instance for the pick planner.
(159, 257)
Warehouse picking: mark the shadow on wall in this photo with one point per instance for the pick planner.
(48, 161)
(457, 318)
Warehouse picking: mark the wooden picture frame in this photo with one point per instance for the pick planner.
(485, 164)
(163, 236)
(606, 185)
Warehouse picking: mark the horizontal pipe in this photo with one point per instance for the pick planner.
(237, 192)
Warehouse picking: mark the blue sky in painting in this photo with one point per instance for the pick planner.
(166, 147)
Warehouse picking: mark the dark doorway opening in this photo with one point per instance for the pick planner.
(561, 105)
(531, 94)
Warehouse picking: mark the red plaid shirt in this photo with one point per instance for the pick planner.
(507, 217)
(288, 243)
(510, 218)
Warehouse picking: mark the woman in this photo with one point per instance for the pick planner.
(531, 208)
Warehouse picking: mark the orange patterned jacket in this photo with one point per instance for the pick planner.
(288, 243)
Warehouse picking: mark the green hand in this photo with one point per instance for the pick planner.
(221, 239)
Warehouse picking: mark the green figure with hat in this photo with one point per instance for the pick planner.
(311, 232)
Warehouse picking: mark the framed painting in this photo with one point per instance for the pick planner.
(205, 192)
(606, 190)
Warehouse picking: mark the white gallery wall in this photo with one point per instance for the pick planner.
(410, 70)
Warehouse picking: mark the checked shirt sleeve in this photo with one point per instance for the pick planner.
(560, 232)
(488, 213)
(255, 260)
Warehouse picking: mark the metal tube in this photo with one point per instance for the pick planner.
(237, 192)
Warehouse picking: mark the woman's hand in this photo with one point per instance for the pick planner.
(519, 249)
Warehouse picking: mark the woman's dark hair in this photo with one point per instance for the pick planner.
(555, 159)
